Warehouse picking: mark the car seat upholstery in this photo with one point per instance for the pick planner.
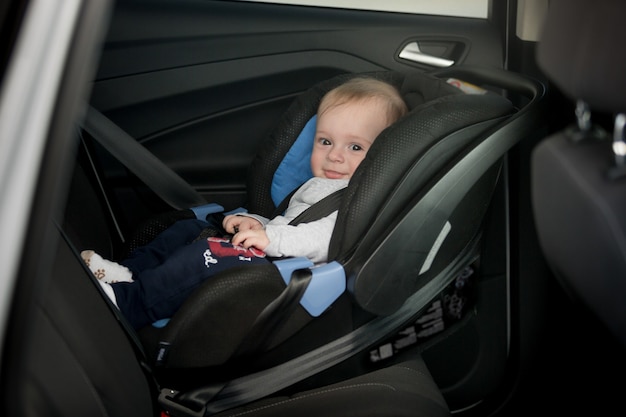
(578, 181)
(408, 223)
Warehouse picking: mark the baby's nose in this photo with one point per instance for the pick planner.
(335, 155)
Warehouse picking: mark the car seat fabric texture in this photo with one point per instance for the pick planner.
(405, 389)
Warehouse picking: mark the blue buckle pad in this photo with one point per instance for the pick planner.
(203, 211)
(159, 324)
(327, 284)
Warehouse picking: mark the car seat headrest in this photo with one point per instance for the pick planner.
(578, 51)
(295, 167)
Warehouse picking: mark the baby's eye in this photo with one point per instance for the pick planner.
(355, 147)
(324, 141)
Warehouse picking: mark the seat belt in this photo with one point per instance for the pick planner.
(161, 179)
(320, 209)
(315, 211)
(166, 183)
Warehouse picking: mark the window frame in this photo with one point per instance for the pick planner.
(459, 8)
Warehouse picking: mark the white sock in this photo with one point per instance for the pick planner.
(108, 290)
(105, 270)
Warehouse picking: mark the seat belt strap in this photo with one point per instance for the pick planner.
(320, 209)
(161, 179)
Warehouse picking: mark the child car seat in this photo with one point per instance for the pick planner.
(408, 222)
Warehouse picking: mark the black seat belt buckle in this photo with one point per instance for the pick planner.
(169, 404)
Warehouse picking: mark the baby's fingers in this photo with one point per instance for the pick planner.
(238, 238)
(248, 223)
(231, 223)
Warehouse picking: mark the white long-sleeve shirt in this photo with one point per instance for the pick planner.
(306, 239)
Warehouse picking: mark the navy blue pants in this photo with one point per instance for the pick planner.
(168, 269)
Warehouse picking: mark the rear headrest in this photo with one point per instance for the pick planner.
(582, 51)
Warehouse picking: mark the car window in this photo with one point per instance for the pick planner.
(462, 8)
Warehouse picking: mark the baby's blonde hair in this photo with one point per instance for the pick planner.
(363, 89)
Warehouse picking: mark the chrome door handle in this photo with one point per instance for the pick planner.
(413, 53)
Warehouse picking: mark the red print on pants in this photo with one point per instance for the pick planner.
(222, 247)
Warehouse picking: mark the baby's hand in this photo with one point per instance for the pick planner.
(251, 238)
(234, 224)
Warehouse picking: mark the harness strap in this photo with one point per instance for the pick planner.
(322, 208)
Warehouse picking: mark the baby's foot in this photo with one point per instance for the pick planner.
(105, 270)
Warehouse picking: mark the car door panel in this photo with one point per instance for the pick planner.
(202, 84)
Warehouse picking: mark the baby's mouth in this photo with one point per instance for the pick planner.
(333, 175)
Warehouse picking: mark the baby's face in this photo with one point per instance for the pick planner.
(343, 136)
